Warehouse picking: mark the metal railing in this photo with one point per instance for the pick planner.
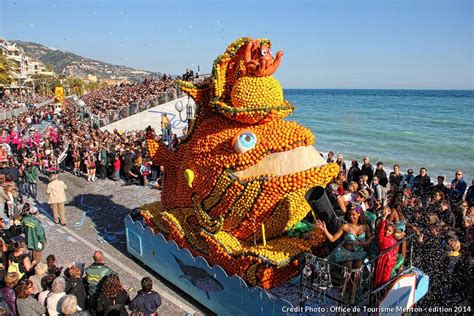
(111, 116)
(320, 277)
(4, 115)
(12, 113)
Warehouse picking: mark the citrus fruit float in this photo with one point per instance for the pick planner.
(236, 183)
(233, 192)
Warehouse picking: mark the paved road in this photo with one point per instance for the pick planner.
(95, 212)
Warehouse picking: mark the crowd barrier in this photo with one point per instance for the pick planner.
(4, 115)
(111, 116)
(12, 113)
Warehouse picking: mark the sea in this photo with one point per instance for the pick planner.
(414, 128)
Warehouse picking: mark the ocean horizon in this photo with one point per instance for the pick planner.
(411, 127)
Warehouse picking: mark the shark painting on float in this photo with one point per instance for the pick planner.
(199, 278)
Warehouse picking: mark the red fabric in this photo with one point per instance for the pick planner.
(340, 191)
(386, 262)
(117, 164)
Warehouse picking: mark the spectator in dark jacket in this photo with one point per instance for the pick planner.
(440, 186)
(379, 172)
(447, 215)
(354, 172)
(75, 286)
(422, 186)
(368, 169)
(147, 300)
(52, 268)
(470, 195)
(458, 187)
(395, 178)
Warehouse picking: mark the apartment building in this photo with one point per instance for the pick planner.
(25, 67)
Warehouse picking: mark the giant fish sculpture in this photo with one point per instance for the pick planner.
(236, 183)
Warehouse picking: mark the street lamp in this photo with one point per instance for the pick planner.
(19, 81)
(81, 107)
(179, 106)
(81, 104)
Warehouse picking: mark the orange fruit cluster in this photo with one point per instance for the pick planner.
(220, 217)
(267, 266)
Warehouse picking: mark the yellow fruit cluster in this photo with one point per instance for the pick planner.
(221, 209)
(243, 205)
(225, 66)
(220, 189)
(193, 237)
(256, 92)
(152, 214)
(289, 211)
(212, 225)
(251, 274)
(231, 244)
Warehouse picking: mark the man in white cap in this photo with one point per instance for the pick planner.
(56, 198)
(34, 232)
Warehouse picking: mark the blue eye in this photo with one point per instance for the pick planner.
(245, 142)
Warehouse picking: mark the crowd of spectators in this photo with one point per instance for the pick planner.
(393, 206)
(31, 287)
(12, 101)
(70, 140)
(380, 210)
(189, 75)
(60, 139)
(117, 97)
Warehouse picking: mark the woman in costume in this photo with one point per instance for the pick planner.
(350, 252)
(387, 261)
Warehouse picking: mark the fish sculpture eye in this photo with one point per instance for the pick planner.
(244, 141)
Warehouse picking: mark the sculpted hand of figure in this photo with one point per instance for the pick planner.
(259, 60)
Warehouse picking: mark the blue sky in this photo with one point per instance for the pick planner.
(327, 44)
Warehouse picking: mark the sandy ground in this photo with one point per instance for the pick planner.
(95, 213)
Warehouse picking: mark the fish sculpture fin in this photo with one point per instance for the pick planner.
(158, 151)
(198, 92)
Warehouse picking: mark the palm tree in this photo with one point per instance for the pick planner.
(45, 84)
(6, 68)
(76, 85)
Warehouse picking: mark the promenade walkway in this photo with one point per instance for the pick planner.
(95, 213)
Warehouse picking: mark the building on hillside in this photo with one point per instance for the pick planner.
(116, 81)
(91, 78)
(24, 67)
